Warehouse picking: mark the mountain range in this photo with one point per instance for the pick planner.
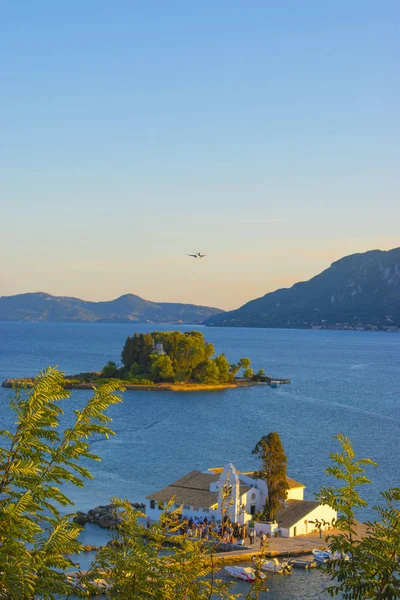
(129, 308)
(360, 291)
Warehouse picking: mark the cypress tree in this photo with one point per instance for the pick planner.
(273, 471)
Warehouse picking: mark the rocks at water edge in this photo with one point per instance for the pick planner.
(103, 516)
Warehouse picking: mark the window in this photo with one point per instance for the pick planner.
(152, 504)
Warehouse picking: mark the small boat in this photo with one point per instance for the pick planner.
(274, 383)
(338, 556)
(321, 556)
(244, 573)
(303, 564)
(274, 566)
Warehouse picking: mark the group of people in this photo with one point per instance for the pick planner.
(228, 532)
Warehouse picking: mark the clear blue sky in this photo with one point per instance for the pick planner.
(265, 133)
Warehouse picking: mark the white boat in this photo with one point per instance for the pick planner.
(275, 384)
(244, 573)
(321, 556)
(274, 566)
(338, 556)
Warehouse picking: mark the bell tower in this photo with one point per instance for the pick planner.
(228, 493)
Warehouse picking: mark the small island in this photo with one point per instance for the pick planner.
(167, 360)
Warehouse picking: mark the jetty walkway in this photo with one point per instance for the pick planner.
(282, 547)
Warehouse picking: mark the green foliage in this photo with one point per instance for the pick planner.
(110, 369)
(259, 375)
(273, 471)
(141, 380)
(223, 368)
(233, 370)
(181, 357)
(34, 460)
(134, 370)
(211, 373)
(162, 369)
(135, 569)
(35, 540)
(244, 363)
(248, 373)
(373, 569)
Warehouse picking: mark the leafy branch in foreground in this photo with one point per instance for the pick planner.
(34, 538)
(136, 565)
(367, 567)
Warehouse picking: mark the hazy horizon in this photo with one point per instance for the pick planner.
(159, 300)
(263, 135)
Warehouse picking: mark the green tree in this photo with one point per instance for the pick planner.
(212, 373)
(36, 458)
(132, 350)
(161, 368)
(135, 569)
(233, 370)
(35, 540)
(244, 363)
(373, 571)
(223, 368)
(208, 350)
(248, 373)
(127, 356)
(273, 471)
(259, 375)
(146, 349)
(134, 370)
(110, 369)
(190, 353)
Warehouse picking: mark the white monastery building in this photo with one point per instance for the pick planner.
(199, 494)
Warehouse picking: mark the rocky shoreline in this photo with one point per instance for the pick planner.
(105, 517)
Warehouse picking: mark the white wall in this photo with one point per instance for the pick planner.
(293, 494)
(155, 513)
(259, 486)
(247, 500)
(296, 494)
(265, 528)
(303, 526)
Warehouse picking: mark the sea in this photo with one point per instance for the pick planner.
(341, 382)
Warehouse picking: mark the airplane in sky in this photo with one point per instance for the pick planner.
(197, 255)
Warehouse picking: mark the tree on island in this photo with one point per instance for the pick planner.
(173, 356)
(273, 471)
(110, 369)
(161, 368)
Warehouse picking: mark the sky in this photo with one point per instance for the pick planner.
(264, 134)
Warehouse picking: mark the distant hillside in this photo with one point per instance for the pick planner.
(358, 291)
(129, 308)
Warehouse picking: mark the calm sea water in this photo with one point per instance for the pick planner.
(346, 382)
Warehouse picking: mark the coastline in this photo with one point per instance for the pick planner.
(163, 387)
